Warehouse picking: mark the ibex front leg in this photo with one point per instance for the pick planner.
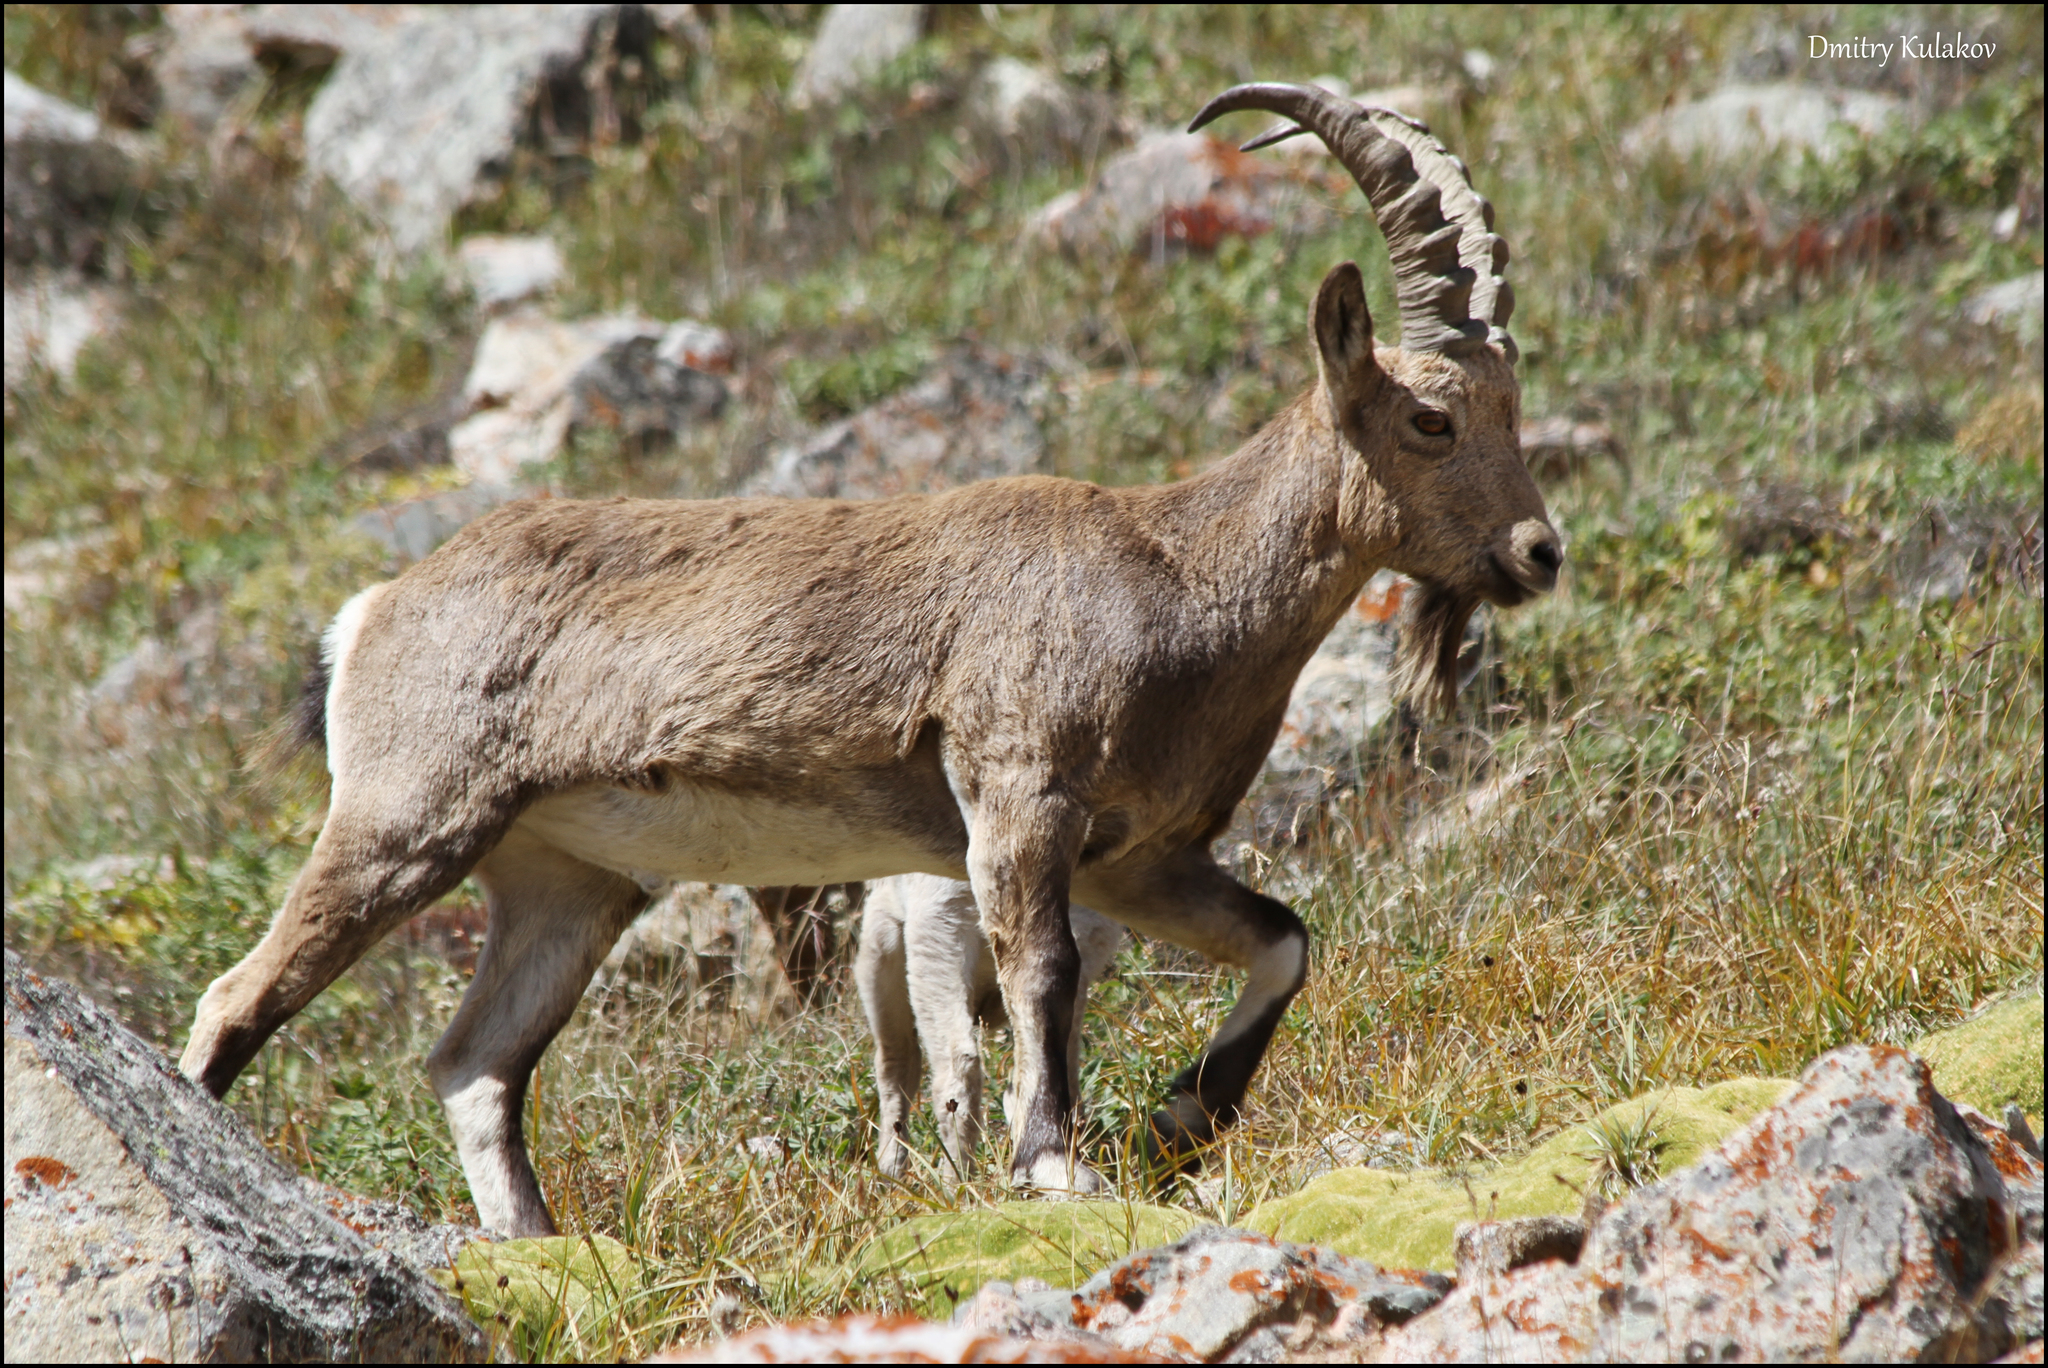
(1190, 901)
(1020, 859)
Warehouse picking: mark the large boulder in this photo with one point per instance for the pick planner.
(1863, 1218)
(416, 116)
(146, 1221)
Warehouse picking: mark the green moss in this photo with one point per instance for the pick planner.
(1405, 1220)
(544, 1293)
(929, 1262)
(1992, 1059)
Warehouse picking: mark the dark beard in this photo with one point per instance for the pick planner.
(1433, 622)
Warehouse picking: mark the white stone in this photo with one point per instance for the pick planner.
(853, 43)
(35, 113)
(2014, 303)
(1016, 100)
(506, 270)
(49, 319)
(1739, 123)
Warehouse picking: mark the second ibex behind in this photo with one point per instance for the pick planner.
(1047, 687)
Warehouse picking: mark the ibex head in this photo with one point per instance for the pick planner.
(1430, 428)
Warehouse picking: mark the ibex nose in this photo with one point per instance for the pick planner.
(1536, 555)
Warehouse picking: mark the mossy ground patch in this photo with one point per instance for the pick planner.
(931, 1262)
(1992, 1059)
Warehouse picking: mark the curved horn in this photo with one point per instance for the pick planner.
(1447, 259)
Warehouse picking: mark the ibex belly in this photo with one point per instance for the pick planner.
(708, 835)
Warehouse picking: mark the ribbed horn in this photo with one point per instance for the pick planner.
(1447, 259)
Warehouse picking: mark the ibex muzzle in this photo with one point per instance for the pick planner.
(1052, 689)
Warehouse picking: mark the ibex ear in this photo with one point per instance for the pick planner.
(1344, 339)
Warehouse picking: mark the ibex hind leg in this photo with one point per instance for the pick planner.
(1193, 903)
(553, 918)
(364, 877)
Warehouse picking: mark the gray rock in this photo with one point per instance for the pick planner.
(1482, 1247)
(972, 418)
(64, 179)
(534, 379)
(1863, 1218)
(1176, 193)
(1740, 123)
(412, 120)
(145, 1220)
(2014, 304)
(639, 389)
(1556, 449)
(50, 316)
(206, 672)
(1211, 1293)
(411, 528)
(853, 43)
(1026, 104)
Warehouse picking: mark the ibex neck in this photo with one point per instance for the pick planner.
(1264, 529)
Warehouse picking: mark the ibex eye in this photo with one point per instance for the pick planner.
(1430, 423)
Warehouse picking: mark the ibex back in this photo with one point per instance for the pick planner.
(1046, 687)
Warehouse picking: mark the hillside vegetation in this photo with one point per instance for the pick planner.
(1764, 776)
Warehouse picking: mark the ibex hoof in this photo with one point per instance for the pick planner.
(1173, 1147)
(1055, 1176)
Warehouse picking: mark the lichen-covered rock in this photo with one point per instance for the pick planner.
(145, 1220)
(972, 418)
(1863, 1218)
(1203, 1297)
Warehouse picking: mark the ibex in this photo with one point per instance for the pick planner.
(928, 982)
(1046, 687)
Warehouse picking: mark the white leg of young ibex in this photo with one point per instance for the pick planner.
(952, 978)
(1191, 902)
(553, 918)
(1020, 858)
(879, 971)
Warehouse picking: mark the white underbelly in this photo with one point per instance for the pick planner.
(701, 835)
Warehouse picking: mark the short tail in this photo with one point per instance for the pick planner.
(305, 725)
